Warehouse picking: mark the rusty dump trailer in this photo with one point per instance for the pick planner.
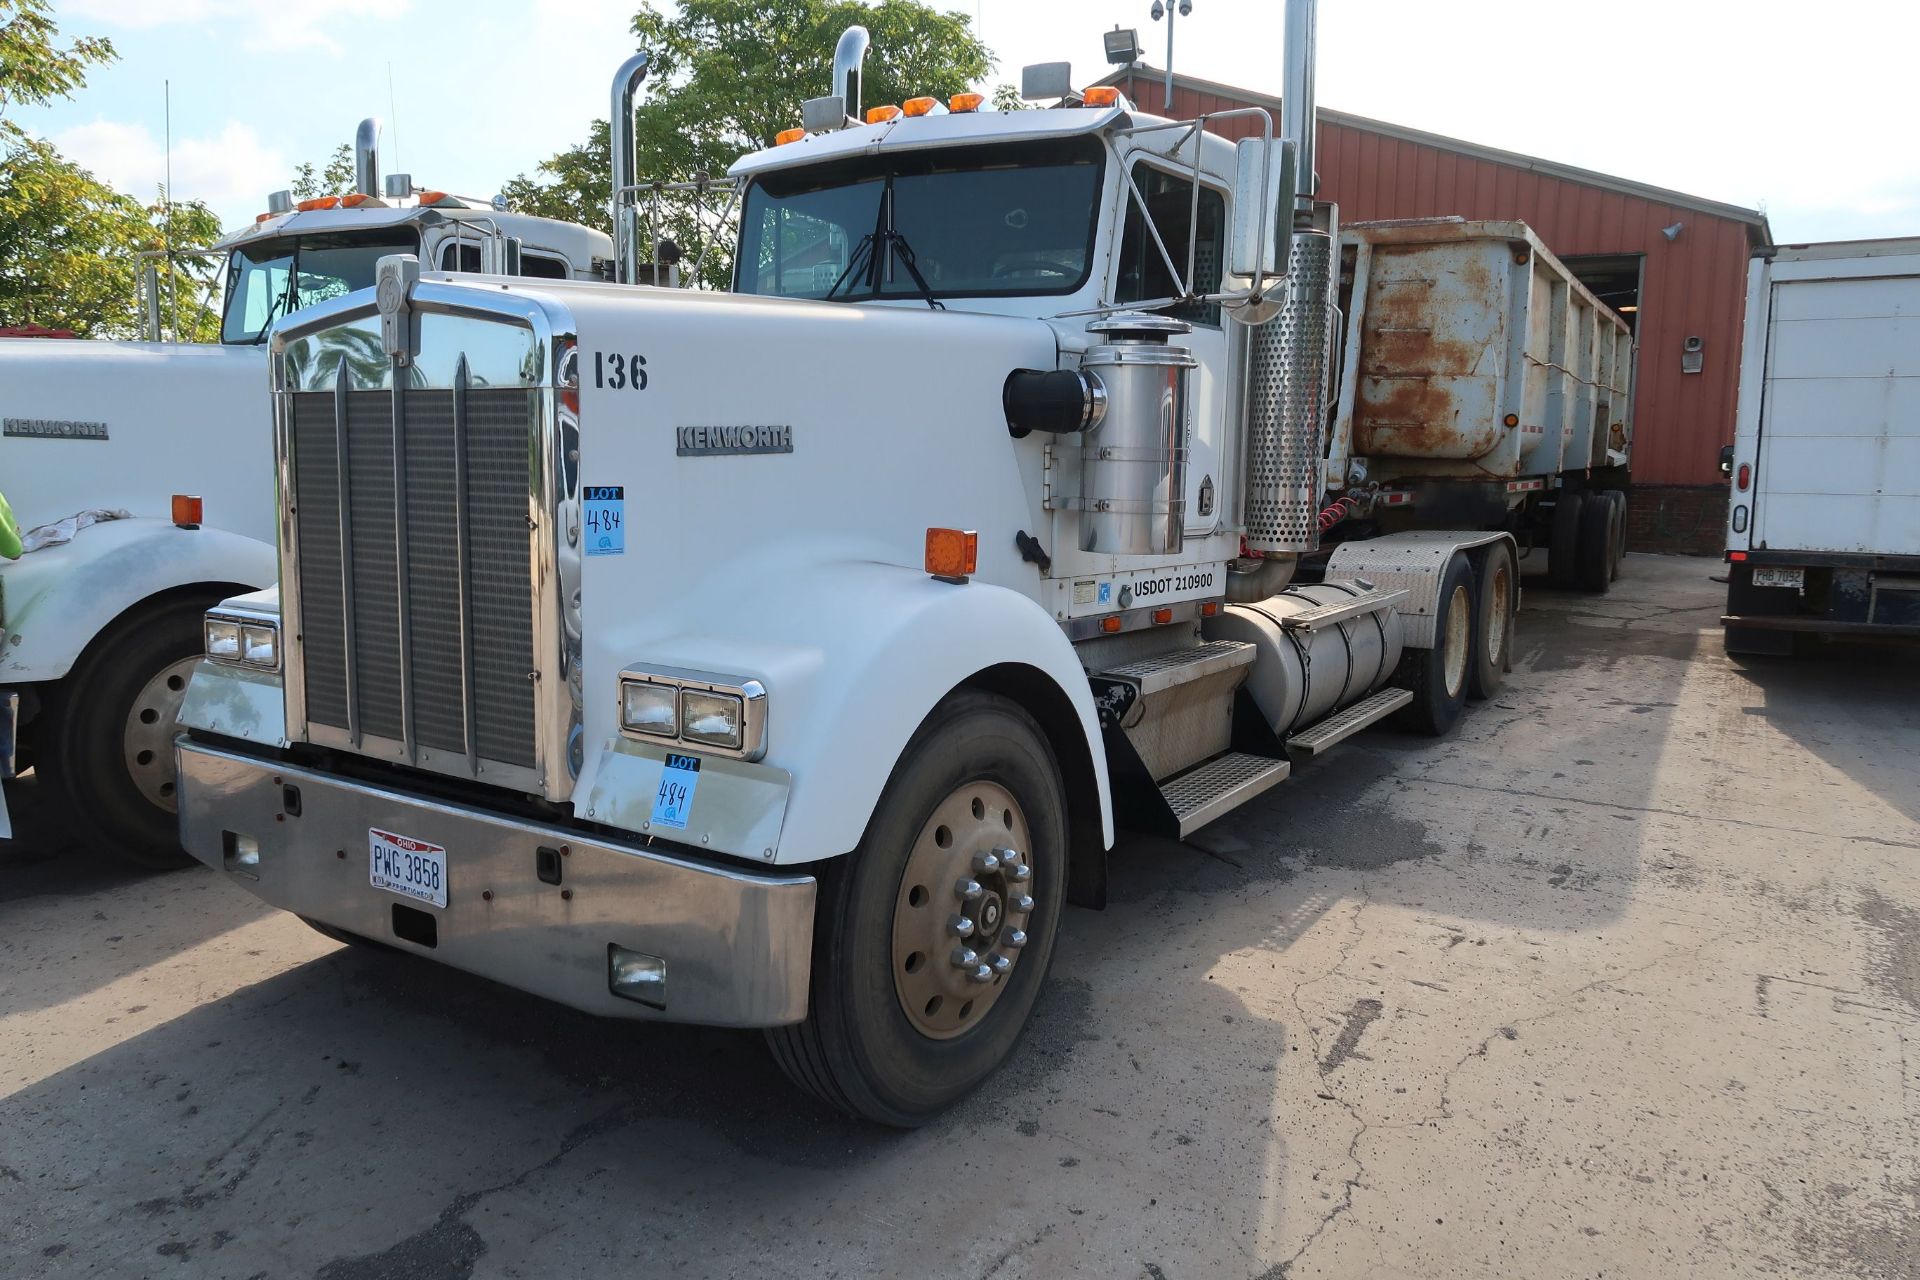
(1482, 386)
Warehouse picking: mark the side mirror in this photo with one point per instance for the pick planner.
(1262, 208)
(1726, 459)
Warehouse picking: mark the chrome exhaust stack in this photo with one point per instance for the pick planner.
(1288, 358)
(849, 62)
(366, 157)
(626, 215)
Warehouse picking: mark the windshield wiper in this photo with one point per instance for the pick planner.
(271, 312)
(861, 257)
(898, 246)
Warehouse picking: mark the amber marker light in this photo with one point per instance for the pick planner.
(961, 103)
(919, 106)
(952, 553)
(1161, 617)
(881, 115)
(1101, 95)
(318, 202)
(785, 136)
(1110, 623)
(187, 510)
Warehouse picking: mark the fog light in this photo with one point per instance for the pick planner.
(635, 975)
(223, 640)
(240, 854)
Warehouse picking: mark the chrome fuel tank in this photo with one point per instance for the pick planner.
(1300, 676)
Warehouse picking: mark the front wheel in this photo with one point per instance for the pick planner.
(111, 748)
(932, 938)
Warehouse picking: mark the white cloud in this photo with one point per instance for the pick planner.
(231, 170)
(269, 27)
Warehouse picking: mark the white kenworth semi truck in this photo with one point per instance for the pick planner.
(167, 447)
(788, 658)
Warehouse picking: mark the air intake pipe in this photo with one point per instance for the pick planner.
(849, 61)
(625, 210)
(366, 157)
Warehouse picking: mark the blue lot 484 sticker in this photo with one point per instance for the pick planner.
(674, 801)
(604, 513)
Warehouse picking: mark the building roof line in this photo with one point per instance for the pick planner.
(1753, 218)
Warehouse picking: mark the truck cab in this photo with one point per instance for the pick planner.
(788, 657)
(148, 469)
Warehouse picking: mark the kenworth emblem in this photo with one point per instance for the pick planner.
(704, 442)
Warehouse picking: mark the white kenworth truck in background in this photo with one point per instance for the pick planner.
(1823, 525)
(787, 658)
(100, 628)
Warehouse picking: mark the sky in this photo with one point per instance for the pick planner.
(1792, 110)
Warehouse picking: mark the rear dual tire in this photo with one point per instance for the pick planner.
(1439, 677)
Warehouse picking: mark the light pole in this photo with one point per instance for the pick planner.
(1167, 11)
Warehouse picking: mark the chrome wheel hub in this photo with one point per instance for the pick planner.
(147, 741)
(959, 922)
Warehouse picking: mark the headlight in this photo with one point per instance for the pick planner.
(712, 719)
(223, 640)
(260, 646)
(701, 709)
(243, 641)
(650, 708)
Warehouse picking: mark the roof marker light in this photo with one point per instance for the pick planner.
(961, 103)
(785, 136)
(919, 106)
(1101, 95)
(882, 115)
(318, 202)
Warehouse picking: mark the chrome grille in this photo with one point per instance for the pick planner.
(426, 639)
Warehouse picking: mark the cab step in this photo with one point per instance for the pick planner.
(1217, 786)
(1182, 666)
(1344, 724)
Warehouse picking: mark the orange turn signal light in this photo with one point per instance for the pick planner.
(1161, 617)
(881, 115)
(952, 553)
(1110, 623)
(1209, 608)
(785, 136)
(919, 106)
(187, 509)
(1101, 95)
(961, 103)
(319, 202)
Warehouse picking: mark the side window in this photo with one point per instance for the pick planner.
(546, 268)
(460, 256)
(1143, 272)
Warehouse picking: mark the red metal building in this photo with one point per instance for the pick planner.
(1674, 265)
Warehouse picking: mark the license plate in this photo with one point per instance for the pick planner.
(1772, 576)
(411, 868)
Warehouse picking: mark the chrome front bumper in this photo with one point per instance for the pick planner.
(736, 946)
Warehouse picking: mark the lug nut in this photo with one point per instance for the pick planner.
(968, 889)
(1023, 903)
(985, 862)
(1019, 871)
(965, 958)
(961, 926)
(1001, 965)
(1015, 938)
(983, 974)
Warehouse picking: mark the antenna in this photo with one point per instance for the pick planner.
(393, 114)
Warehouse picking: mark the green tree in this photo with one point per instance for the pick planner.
(34, 69)
(335, 178)
(70, 246)
(727, 76)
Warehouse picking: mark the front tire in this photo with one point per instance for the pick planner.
(930, 946)
(112, 725)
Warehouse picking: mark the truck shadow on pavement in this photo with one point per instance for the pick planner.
(1182, 1106)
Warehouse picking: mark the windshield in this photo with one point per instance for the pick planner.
(978, 222)
(278, 277)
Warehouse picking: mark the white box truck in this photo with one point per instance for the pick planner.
(1823, 525)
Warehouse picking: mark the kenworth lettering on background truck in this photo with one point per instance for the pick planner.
(1011, 497)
